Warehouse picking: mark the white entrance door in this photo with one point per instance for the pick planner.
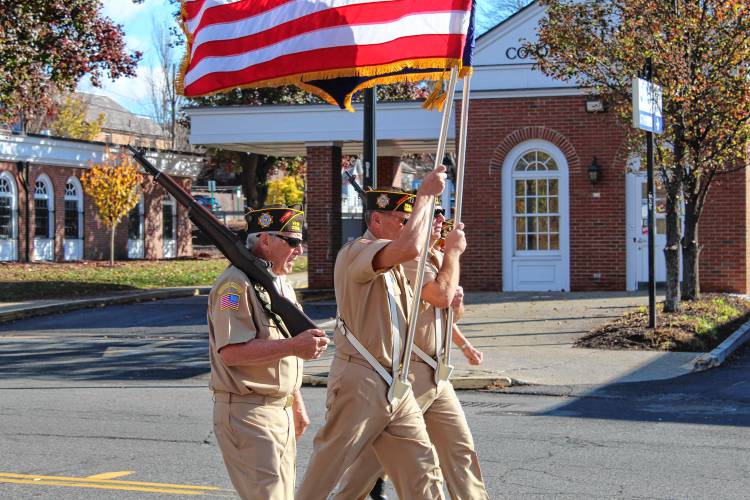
(638, 231)
(536, 255)
(44, 220)
(135, 232)
(73, 240)
(8, 218)
(169, 227)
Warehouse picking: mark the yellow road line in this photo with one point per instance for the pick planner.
(101, 481)
(111, 475)
(101, 486)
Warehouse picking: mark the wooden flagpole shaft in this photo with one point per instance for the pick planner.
(460, 169)
(428, 231)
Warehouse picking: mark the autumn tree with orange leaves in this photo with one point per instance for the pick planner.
(701, 58)
(113, 186)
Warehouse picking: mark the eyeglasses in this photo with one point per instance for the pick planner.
(439, 211)
(292, 242)
(401, 220)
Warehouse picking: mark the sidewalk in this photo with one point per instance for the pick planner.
(526, 338)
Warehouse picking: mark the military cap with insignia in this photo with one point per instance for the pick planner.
(274, 220)
(389, 200)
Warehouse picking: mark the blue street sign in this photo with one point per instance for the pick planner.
(647, 106)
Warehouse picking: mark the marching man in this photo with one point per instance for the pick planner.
(374, 300)
(443, 415)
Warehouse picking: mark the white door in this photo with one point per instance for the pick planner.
(73, 240)
(44, 220)
(638, 231)
(536, 254)
(169, 227)
(135, 232)
(8, 218)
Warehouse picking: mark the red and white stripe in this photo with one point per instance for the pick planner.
(249, 42)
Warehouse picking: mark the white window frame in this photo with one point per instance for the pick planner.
(10, 250)
(49, 195)
(534, 175)
(78, 198)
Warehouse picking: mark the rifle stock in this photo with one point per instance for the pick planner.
(233, 249)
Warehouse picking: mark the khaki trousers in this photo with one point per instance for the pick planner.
(259, 447)
(449, 432)
(359, 417)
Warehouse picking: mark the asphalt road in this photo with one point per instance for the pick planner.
(112, 403)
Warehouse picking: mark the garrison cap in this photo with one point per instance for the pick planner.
(274, 219)
(389, 200)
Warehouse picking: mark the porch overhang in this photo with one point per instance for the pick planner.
(287, 130)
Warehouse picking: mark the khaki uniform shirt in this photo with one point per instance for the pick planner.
(424, 337)
(235, 316)
(363, 302)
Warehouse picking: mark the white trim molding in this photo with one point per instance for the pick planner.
(55, 151)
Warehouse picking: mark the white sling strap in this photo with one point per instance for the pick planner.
(341, 326)
(390, 285)
(438, 342)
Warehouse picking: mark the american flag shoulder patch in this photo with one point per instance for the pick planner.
(230, 297)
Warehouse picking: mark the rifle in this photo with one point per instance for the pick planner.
(233, 249)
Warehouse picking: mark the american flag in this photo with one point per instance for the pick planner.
(256, 43)
(229, 301)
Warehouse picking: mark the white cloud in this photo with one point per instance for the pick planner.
(131, 93)
(121, 11)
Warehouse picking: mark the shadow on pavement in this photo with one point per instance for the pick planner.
(15, 291)
(185, 312)
(720, 396)
(104, 359)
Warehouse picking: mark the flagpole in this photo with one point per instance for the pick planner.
(401, 384)
(460, 169)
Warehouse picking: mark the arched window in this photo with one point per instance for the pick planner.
(73, 209)
(8, 203)
(536, 196)
(44, 208)
(169, 218)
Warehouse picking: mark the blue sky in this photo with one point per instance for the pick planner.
(138, 21)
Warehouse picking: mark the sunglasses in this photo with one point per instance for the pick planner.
(439, 211)
(292, 242)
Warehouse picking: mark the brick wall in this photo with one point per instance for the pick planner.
(323, 213)
(723, 230)
(597, 224)
(96, 236)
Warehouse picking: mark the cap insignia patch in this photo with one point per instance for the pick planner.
(382, 200)
(265, 220)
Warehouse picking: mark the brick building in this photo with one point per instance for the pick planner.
(45, 215)
(534, 219)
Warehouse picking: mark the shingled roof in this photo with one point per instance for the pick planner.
(117, 118)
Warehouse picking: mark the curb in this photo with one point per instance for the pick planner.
(74, 305)
(721, 352)
(459, 383)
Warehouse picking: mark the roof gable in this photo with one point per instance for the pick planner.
(501, 64)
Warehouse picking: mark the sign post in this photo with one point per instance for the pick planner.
(369, 146)
(211, 189)
(647, 115)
